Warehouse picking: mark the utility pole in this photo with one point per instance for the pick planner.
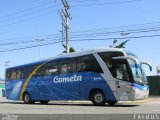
(65, 17)
(63, 24)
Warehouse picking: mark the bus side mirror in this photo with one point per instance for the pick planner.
(150, 68)
(148, 64)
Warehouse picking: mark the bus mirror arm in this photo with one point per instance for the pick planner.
(148, 64)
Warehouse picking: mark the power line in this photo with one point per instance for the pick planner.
(104, 33)
(92, 31)
(141, 25)
(34, 46)
(106, 3)
(25, 42)
(83, 1)
(48, 12)
(24, 15)
(99, 34)
(28, 37)
(13, 16)
(20, 21)
(16, 17)
(28, 9)
(103, 39)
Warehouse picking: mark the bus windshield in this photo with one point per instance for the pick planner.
(137, 71)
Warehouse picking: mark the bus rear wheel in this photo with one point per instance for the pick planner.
(44, 101)
(27, 99)
(98, 98)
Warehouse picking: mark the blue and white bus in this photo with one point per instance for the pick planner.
(105, 75)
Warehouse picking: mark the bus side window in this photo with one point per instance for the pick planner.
(38, 73)
(107, 58)
(81, 63)
(88, 64)
(18, 74)
(71, 65)
(67, 66)
(53, 71)
(121, 71)
(63, 69)
(13, 75)
(25, 72)
(50, 68)
(8, 75)
(80, 66)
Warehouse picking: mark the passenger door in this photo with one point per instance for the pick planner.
(122, 74)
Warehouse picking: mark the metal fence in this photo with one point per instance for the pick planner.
(154, 85)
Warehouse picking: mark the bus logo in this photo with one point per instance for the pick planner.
(74, 78)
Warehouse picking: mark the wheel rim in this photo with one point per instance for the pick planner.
(27, 98)
(98, 98)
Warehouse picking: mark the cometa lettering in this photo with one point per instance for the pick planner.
(74, 78)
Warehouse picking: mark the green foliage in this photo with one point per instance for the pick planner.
(71, 49)
(121, 45)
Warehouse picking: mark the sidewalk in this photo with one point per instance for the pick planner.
(3, 99)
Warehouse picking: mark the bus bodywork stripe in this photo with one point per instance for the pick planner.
(28, 79)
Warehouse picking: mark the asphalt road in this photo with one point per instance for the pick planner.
(77, 108)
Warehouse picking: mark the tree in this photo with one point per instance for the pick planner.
(71, 49)
(114, 42)
(121, 45)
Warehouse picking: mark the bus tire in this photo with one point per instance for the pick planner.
(111, 103)
(44, 101)
(98, 98)
(27, 99)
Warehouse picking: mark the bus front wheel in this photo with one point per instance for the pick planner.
(98, 98)
(27, 99)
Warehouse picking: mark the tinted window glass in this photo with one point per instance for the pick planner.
(88, 64)
(8, 74)
(14, 74)
(107, 57)
(26, 72)
(38, 73)
(80, 64)
(121, 70)
(67, 66)
(51, 68)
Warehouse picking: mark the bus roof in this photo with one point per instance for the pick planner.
(70, 55)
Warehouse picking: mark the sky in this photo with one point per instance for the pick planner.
(24, 22)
